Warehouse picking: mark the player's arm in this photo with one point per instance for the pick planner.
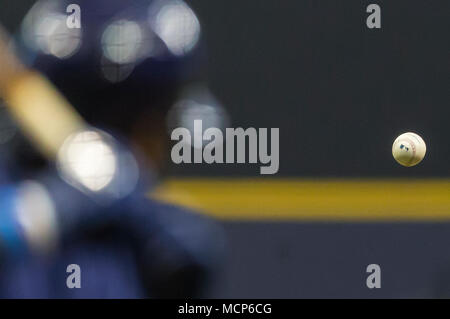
(47, 119)
(40, 110)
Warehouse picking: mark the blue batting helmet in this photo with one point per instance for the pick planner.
(113, 59)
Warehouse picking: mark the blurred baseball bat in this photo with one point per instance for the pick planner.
(44, 115)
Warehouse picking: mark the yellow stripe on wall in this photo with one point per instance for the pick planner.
(312, 200)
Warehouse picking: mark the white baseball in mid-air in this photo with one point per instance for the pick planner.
(409, 149)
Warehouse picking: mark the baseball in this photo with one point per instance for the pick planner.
(409, 149)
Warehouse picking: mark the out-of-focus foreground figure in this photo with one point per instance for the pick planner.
(122, 66)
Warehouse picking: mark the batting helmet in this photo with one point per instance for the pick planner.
(113, 59)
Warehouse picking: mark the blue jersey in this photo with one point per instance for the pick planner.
(135, 247)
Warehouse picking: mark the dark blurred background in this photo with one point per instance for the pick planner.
(340, 94)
